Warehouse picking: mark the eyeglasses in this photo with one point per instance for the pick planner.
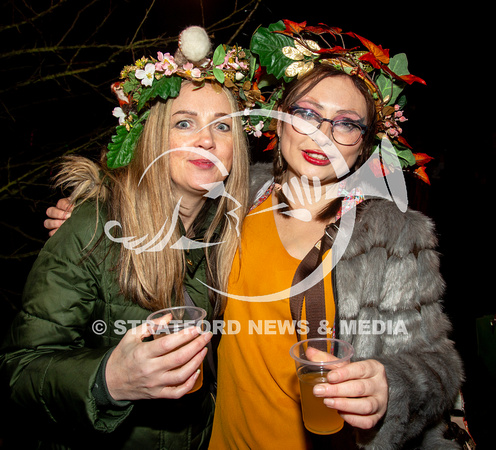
(344, 132)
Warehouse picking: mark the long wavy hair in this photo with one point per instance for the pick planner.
(143, 205)
(299, 88)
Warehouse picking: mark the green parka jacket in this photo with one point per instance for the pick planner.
(72, 317)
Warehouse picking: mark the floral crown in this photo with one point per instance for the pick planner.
(288, 50)
(151, 78)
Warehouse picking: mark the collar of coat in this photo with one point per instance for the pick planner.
(194, 254)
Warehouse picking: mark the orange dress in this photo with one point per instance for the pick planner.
(258, 399)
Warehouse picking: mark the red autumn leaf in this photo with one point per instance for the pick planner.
(422, 158)
(403, 141)
(258, 73)
(323, 28)
(119, 93)
(411, 79)
(272, 143)
(377, 168)
(334, 50)
(371, 59)
(292, 27)
(420, 173)
(380, 54)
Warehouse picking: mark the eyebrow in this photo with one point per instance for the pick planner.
(321, 108)
(194, 113)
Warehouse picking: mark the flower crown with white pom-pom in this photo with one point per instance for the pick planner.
(278, 54)
(151, 78)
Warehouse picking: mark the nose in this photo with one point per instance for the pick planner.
(326, 127)
(323, 137)
(205, 139)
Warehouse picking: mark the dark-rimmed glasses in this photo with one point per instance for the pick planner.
(344, 132)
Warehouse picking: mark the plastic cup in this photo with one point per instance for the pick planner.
(314, 358)
(182, 317)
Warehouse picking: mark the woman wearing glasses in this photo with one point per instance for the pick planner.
(401, 380)
(404, 377)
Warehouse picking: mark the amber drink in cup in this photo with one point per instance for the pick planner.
(314, 359)
(182, 317)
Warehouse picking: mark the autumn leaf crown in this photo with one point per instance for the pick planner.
(287, 50)
(258, 76)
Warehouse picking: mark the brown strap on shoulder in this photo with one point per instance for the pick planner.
(314, 297)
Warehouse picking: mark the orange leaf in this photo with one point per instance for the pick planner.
(403, 141)
(293, 27)
(380, 54)
(272, 143)
(377, 168)
(336, 49)
(411, 79)
(422, 158)
(420, 172)
(373, 60)
(323, 28)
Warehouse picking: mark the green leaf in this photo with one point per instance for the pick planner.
(399, 64)
(121, 149)
(219, 56)
(167, 86)
(268, 46)
(253, 67)
(392, 87)
(401, 102)
(404, 155)
(219, 75)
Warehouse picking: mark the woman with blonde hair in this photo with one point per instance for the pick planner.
(339, 116)
(152, 227)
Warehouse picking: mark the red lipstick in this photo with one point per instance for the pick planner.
(202, 163)
(315, 158)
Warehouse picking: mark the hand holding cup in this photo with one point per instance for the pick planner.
(160, 368)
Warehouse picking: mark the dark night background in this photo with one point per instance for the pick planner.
(43, 115)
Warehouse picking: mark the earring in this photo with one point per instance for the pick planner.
(279, 155)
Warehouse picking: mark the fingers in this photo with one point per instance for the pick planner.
(175, 392)
(316, 355)
(162, 368)
(53, 225)
(65, 204)
(57, 215)
(357, 370)
(365, 422)
(54, 212)
(368, 405)
(181, 380)
(359, 391)
(354, 388)
(187, 342)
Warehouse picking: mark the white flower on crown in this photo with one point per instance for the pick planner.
(120, 114)
(146, 76)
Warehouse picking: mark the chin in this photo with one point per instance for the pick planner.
(324, 174)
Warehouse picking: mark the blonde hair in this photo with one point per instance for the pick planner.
(143, 205)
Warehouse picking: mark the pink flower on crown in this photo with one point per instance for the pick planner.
(192, 71)
(166, 63)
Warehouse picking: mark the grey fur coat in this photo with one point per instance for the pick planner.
(388, 290)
